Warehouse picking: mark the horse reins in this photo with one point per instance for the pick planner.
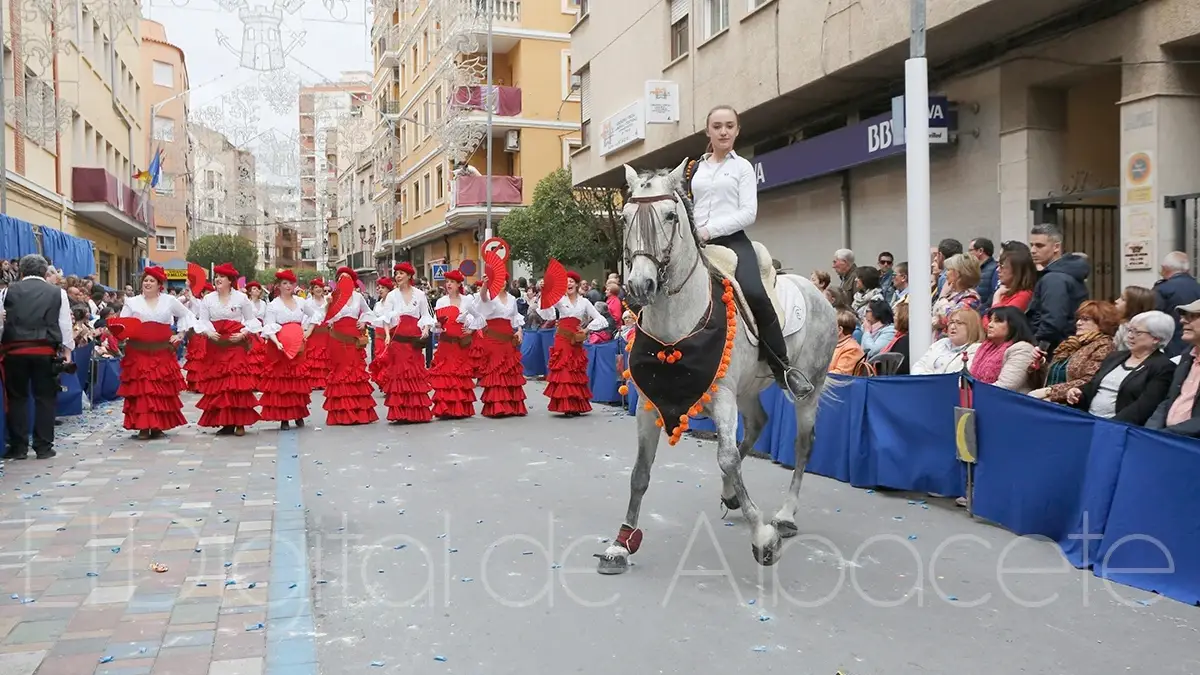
(645, 217)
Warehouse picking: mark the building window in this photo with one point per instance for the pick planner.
(570, 82)
(165, 238)
(164, 128)
(416, 198)
(716, 17)
(440, 177)
(166, 185)
(164, 74)
(585, 102)
(569, 146)
(426, 205)
(416, 59)
(680, 28)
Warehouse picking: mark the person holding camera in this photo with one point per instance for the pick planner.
(36, 346)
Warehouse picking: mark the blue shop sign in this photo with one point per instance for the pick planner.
(844, 148)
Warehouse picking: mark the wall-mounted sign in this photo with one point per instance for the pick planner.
(176, 275)
(662, 102)
(1137, 254)
(437, 271)
(1139, 178)
(626, 127)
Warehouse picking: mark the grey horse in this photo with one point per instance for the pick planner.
(668, 276)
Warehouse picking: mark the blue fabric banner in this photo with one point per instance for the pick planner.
(545, 338)
(602, 371)
(533, 357)
(70, 254)
(16, 238)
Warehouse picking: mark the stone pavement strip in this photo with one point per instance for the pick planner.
(82, 533)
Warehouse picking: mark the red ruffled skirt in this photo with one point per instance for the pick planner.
(568, 386)
(376, 365)
(348, 393)
(451, 377)
(194, 359)
(316, 356)
(227, 381)
(405, 379)
(500, 371)
(151, 381)
(258, 359)
(286, 392)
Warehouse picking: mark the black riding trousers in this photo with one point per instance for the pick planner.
(770, 333)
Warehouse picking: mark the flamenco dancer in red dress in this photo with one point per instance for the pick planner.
(384, 287)
(348, 397)
(286, 393)
(405, 380)
(150, 376)
(501, 373)
(258, 348)
(316, 348)
(568, 387)
(453, 364)
(197, 343)
(227, 379)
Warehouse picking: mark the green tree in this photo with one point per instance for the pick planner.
(215, 249)
(303, 276)
(575, 226)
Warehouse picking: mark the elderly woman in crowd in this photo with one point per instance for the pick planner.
(949, 354)
(962, 277)
(1133, 301)
(868, 289)
(1130, 384)
(1078, 358)
(1004, 357)
(848, 353)
(878, 327)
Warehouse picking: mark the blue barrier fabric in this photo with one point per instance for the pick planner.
(533, 357)
(908, 426)
(545, 338)
(16, 238)
(108, 380)
(602, 371)
(70, 254)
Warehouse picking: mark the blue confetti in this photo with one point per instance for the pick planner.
(752, 601)
(398, 547)
(454, 550)
(377, 664)
(92, 574)
(292, 586)
(106, 659)
(467, 580)
(256, 626)
(764, 617)
(912, 537)
(952, 598)
(440, 658)
(760, 649)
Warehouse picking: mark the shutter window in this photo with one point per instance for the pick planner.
(679, 9)
(585, 94)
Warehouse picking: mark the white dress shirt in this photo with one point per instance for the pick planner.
(726, 195)
(65, 325)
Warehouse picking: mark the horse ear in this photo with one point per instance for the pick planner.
(679, 172)
(631, 175)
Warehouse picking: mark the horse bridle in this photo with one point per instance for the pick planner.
(661, 264)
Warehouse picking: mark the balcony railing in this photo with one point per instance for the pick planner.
(504, 101)
(471, 190)
(102, 199)
(389, 107)
(503, 11)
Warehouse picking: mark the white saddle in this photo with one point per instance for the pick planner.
(786, 298)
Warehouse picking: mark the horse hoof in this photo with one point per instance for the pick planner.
(769, 553)
(612, 564)
(787, 529)
(731, 503)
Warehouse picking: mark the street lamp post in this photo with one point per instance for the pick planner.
(492, 100)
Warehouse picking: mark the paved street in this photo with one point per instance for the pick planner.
(466, 547)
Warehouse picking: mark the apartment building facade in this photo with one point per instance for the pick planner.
(326, 109)
(165, 107)
(431, 95)
(74, 127)
(1080, 112)
(225, 196)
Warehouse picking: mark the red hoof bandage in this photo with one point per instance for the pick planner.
(630, 538)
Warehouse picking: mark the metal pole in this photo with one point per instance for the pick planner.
(916, 117)
(491, 101)
(3, 128)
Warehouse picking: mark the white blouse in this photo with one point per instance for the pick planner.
(260, 309)
(394, 306)
(166, 310)
(276, 314)
(355, 308)
(318, 306)
(581, 309)
(238, 308)
(484, 311)
(465, 316)
(726, 195)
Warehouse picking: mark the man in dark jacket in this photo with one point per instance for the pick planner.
(1179, 413)
(1059, 291)
(983, 250)
(1176, 289)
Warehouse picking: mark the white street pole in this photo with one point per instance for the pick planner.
(490, 99)
(916, 117)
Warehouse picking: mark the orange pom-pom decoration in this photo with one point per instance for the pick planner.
(624, 390)
(658, 423)
(713, 389)
(706, 398)
(648, 405)
(626, 374)
(661, 356)
(629, 346)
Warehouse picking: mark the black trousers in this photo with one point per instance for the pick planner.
(23, 374)
(770, 333)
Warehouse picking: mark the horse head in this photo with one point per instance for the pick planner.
(661, 252)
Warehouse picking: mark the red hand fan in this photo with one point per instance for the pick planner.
(291, 336)
(122, 328)
(554, 284)
(497, 274)
(447, 314)
(197, 276)
(341, 295)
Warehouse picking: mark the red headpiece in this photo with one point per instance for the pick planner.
(317, 281)
(572, 274)
(454, 275)
(226, 270)
(386, 283)
(405, 267)
(157, 273)
(253, 284)
(346, 270)
(285, 275)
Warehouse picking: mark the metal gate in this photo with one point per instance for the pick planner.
(1186, 224)
(1091, 224)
